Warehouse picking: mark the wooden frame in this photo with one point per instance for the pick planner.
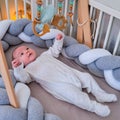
(83, 31)
(7, 79)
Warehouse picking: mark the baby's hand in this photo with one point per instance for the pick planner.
(59, 36)
(15, 63)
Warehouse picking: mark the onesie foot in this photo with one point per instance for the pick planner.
(102, 110)
(105, 97)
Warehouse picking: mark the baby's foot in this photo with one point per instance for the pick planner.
(101, 110)
(105, 97)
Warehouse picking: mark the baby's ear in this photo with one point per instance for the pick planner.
(16, 60)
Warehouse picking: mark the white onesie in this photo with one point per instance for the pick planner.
(62, 81)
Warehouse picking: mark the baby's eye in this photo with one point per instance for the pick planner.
(21, 54)
(27, 48)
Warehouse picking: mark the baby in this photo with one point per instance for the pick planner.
(62, 81)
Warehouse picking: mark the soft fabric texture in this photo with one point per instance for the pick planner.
(24, 37)
(8, 112)
(4, 100)
(3, 93)
(49, 116)
(111, 80)
(11, 40)
(35, 110)
(4, 25)
(5, 45)
(95, 70)
(114, 60)
(92, 55)
(2, 85)
(22, 92)
(20, 23)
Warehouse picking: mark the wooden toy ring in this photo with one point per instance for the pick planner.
(45, 28)
(59, 22)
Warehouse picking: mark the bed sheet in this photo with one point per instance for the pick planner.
(65, 110)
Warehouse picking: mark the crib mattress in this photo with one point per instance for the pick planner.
(65, 110)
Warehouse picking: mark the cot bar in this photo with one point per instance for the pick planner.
(117, 43)
(7, 79)
(65, 10)
(33, 9)
(25, 12)
(65, 4)
(46, 3)
(53, 2)
(7, 9)
(104, 8)
(16, 8)
(91, 11)
(71, 27)
(108, 32)
(98, 29)
(27, 1)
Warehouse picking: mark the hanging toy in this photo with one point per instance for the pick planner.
(59, 20)
(70, 13)
(44, 27)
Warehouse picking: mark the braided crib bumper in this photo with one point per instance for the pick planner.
(100, 62)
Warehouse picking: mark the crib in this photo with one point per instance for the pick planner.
(95, 24)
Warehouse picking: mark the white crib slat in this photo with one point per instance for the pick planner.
(66, 6)
(65, 11)
(116, 44)
(91, 11)
(25, 12)
(71, 27)
(98, 29)
(108, 31)
(16, 8)
(7, 9)
(33, 9)
(46, 2)
(53, 2)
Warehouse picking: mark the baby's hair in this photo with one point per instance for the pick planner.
(14, 51)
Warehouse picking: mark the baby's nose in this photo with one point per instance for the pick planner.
(27, 50)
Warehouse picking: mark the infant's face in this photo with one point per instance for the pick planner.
(24, 54)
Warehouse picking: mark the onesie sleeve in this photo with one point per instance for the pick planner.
(55, 50)
(21, 74)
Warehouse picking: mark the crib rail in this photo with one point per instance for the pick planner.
(105, 23)
(107, 34)
(16, 9)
